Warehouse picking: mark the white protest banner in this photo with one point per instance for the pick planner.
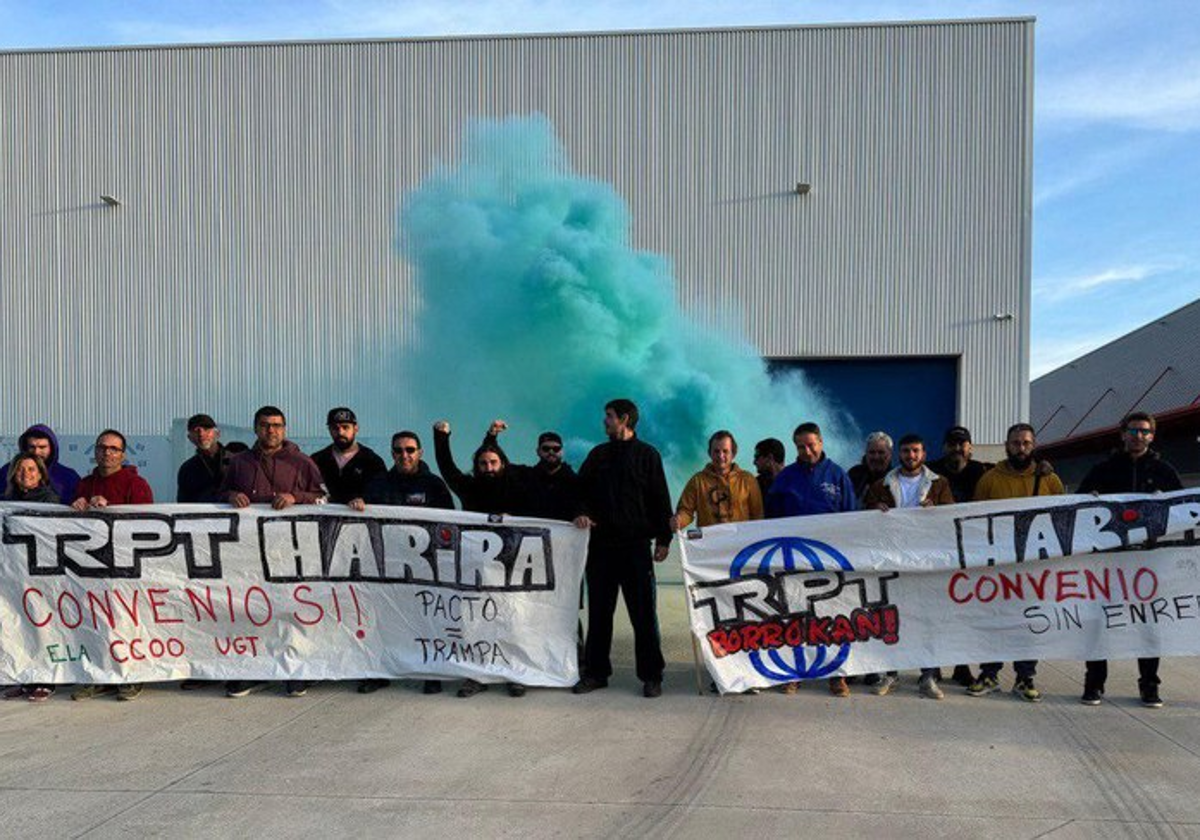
(159, 592)
(1067, 577)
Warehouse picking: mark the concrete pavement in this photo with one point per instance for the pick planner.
(610, 764)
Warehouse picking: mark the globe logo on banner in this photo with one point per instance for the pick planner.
(789, 554)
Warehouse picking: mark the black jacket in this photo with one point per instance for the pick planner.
(421, 489)
(962, 484)
(623, 489)
(862, 478)
(1123, 474)
(44, 493)
(201, 475)
(350, 482)
(482, 494)
(549, 495)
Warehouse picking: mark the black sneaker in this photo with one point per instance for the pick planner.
(962, 676)
(239, 688)
(1150, 698)
(371, 686)
(432, 687)
(1092, 696)
(516, 690)
(470, 688)
(652, 688)
(296, 688)
(588, 685)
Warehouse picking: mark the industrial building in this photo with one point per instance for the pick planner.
(210, 228)
(1078, 408)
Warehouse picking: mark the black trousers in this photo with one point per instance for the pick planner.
(627, 568)
(1097, 673)
(1026, 669)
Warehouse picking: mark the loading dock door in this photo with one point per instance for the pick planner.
(895, 395)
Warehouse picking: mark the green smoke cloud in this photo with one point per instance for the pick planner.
(537, 309)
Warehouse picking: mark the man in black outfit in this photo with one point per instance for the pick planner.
(769, 460)
(550, 488)
(491, 487)
(201, 475)
(1134, 468)
(408, 484)
(625, 501)
(957, 466)
(346, 465)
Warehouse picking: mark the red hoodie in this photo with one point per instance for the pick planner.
(124, 487)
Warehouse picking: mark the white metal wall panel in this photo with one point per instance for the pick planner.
(252, 259)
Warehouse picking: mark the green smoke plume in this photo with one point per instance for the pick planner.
(537, 309)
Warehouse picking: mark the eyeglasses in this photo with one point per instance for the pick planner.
(1139, 432)
(551, 448)
(407, 450)
(100, 447)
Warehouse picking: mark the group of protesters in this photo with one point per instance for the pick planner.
(620, 493)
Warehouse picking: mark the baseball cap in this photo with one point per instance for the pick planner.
(957, 434)
(340, 415)
(201, 421)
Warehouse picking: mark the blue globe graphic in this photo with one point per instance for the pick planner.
(789, 554)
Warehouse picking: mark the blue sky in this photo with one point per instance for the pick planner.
(1117, 103)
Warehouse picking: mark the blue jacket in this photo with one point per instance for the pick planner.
(63, 479)
(803, 490)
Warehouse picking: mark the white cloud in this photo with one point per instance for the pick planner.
(1160, 94)
(1080, 171)
(1058, 289)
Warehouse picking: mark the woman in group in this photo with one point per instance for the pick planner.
(29, 481)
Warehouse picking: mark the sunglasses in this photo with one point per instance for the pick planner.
(549, 447)
(409, 450)
(1139, 432)
(100, 447)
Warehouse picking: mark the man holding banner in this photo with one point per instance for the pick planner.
(275, 472)
(1135, 468)
(910, 485)
(812, 485)
(111, 483)
(1019, 476)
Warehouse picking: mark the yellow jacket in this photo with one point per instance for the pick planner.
(710, 498)
(1003, 482)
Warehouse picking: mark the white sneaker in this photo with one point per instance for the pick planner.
(928, 687)
(886, 683)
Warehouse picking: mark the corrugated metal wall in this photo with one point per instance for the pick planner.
(252, 259)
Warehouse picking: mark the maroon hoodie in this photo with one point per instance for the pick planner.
(261, 476)
(124, 487)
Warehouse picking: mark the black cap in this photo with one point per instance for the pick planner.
(957, 434)
(340, 415)
(201, 421)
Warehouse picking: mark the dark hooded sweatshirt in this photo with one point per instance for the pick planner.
(63, 479)
(261, 476)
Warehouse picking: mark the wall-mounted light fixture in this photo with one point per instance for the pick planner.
(803, 188)
(1003, 316)
(110, 201)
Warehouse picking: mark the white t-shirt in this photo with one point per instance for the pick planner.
(909, 491)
